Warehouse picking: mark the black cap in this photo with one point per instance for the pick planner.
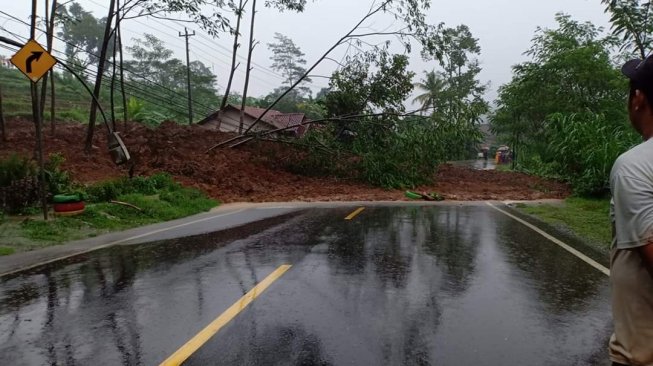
(640, 71)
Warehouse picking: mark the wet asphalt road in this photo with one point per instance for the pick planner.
(462, 285)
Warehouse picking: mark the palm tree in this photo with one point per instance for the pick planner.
(432, 86)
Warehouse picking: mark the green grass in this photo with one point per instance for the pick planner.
(586, 218)
(158, 197)
(105, 217)
(504, 167)
(6, 251)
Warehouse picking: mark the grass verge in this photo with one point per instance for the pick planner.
(504, 167)
(586, 218)
(158, 198)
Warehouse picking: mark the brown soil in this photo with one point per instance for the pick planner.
(251, 173)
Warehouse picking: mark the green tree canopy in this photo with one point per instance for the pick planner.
(288, 60)
(569, 87)
(369, 82)
(432, 86)
(461, 100)
(82, 33)
(571, 71)
(153, 70)
(632, 21)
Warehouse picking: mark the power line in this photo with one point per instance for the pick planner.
(210, 45)
(225, 62)
(97, 56)
(204, 58)
(144, 90)
(135, 74)
(228, 54)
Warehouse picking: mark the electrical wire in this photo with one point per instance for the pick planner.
(143, 93)
(89, 53)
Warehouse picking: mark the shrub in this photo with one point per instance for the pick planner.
(110, 190)
(74, 115)
(57, 180)
(400, 153)
(583, 148)
(18, 184)
(16, 168)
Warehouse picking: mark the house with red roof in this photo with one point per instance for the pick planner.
(228, 120)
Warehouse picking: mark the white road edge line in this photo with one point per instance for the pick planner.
(566, 247)
(117, 242)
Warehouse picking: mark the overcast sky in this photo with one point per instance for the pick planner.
(504, 28)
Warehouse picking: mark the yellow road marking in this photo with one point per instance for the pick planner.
(566, 247)
(205, 334)
(355, 213)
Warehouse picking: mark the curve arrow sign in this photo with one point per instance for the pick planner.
(36, 55)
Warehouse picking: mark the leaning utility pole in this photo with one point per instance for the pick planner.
(243, 103)
(190, 98)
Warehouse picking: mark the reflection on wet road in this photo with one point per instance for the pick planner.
(395, 286)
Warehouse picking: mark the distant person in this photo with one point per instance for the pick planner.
(631, 212)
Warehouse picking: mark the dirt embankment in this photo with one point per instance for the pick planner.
(252, 173)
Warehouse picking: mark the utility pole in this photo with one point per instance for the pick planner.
(190, 97)
(2, 120)
(36, 112)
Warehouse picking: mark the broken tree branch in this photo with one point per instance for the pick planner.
(338, 43)
(341, 119)
(239, 14)
(126, 204)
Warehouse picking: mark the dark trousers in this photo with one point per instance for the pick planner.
(618, 364)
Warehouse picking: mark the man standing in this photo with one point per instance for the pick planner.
(631, 260)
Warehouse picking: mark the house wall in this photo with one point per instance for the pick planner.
(231, 120)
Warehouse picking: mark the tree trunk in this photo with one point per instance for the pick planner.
(52, 99)
(52, 78)
(113, 78)
(49, 25)
(2, 119)
(122, 74)
(241, 9)
(98, 79)
(247, 72)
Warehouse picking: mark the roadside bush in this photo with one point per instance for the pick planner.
(394, 153)
(15, 168)
(110, 190)
(148, 115)
(582, 149)
(414, 151)
(18, 184)
(73, 114)
(58, 181)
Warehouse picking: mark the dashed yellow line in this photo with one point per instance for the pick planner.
(355, 213)
(205, 334)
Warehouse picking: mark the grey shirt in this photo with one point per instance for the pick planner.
(631, 211)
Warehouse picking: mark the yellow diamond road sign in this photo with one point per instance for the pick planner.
(33, 60)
